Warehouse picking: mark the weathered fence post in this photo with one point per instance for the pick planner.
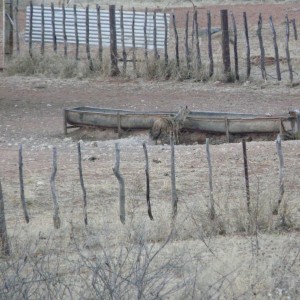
(212, 212)
(30, 28)
(56, 218)
(116, 170)
(87, 36)
(133, 40)
(173, 180)
(166, 40)
(275, 49)
(156, 56)
(17, 26)
(5, 249)
(8, 29)
(82, 184)
(145, 37)
(64, 30)
(186, 43)
(114, 71)
(23, 200)
(225, 42)
(147, 181)
(236, 59)
(198, 55)
(100, 47)
(287, 49)
(262, 49)
(42, 29)
(281, 174)
(176, 41)
(295, 29)
(53, 27)
(76, 32)
(210, 52)
(124, 54)
(248, 63)
(246, 175)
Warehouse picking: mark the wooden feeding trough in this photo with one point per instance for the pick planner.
(212, 122)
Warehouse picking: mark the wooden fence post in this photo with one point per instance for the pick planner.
(210, 52)
(64, 30)
(145, 37)
(198, 54)
(173, 180)
(5, 249)
(225, 42)
(147, 181)
(236, 59)
(53, 27)
(133, 41)
(281, 174)
(116, 170)
(100, 47)
(212, 212)
(176, 41)
(42, 29)
(56, 218)
(166, 40)
(248, 63)
(17, 26)
(295, 29)
(87, 36)
(23, 200)
(275, 49)
(246, 175)
(262, 49)
(156, 56)
(76, 32)
(114, 70)
(186, 43)
(287, 49)
(30, 28)
(82, 184)
(8, 29)
(124, 55)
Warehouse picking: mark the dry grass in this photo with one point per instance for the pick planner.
(234, 256)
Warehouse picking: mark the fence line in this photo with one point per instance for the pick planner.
(64, 18)
(150, 31)
(212, 211)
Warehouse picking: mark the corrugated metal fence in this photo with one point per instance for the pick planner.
(139, 23)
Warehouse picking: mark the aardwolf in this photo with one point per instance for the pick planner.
(164, 128)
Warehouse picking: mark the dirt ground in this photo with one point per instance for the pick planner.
(31, 113)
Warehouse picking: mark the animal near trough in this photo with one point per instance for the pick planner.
(197, 121)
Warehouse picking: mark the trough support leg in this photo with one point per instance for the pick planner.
(119, 126)
(65, 123)
(227, 130)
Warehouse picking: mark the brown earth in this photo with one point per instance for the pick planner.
(31, 113)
